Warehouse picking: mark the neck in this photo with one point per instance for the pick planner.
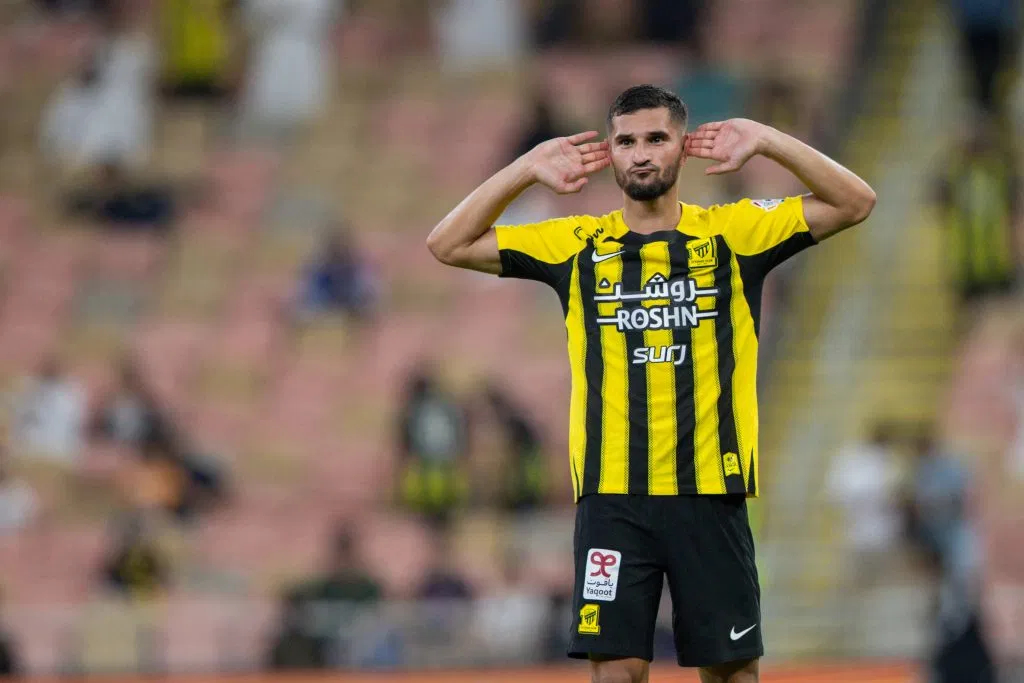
(653, 215)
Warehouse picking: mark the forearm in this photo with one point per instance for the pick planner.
(457, 232)
(829, 181)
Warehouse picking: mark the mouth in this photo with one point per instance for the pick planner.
(642, 172)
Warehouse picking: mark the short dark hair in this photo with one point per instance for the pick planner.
(648, 96)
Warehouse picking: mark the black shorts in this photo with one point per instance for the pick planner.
(626, 545)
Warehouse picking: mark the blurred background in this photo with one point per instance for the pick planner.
(249, 426)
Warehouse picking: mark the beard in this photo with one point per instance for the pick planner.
(650, 188)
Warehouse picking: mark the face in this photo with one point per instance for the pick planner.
(647, 151)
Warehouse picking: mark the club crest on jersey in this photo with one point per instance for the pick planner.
(702, 253)
(766, 204)
(731, 464)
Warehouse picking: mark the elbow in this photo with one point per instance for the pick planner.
(863, 205)
(438, 250)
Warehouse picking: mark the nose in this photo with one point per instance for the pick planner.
(641, 154)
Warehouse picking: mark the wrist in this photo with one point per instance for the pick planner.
(768, 142)
(523, 172)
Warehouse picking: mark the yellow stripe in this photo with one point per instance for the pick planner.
(615, 411)
(661, 387)
(707, 457)
(578, 403)
(744, 378)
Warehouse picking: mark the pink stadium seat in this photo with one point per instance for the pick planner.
(220, 427)
(41, 632)
(126, 256)
(25, 342)
(396, 551)
(196, 631)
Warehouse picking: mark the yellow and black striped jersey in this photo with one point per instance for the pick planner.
(662, 335)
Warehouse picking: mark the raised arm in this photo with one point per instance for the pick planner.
(839, 199)
(464, 238)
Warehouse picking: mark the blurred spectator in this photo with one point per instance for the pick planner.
(289, 57)
(863, 484)
(295, 645)
(130, 415)
(510, 622)
(446, 596)
(196, 48)
(989, 36)
(68, 116)
(775, 100)
(346, 578)
(710, 90)
(443, 580)
(540, 126)
(479, 34)
(317, 616)
(433, 444)
(940, 485)
(338, 279)
(50, 414)
(104, 114)
(120, 201)
(525, 483)
(19, 504)
(171, 477)
(556, 632)
(10, 662)
(156, 481)
(943, 530)
(97, 7)
(137, 565)
(979, 194)
(673, 22)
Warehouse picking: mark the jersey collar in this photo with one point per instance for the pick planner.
(627, 236)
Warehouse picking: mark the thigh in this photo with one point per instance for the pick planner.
(618, 579)
(716, 598)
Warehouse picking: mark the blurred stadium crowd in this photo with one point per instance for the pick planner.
(247, 423)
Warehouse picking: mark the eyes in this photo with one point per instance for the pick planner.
(654, 139)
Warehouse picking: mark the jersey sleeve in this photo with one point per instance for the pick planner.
(539, 251)
(766, 232)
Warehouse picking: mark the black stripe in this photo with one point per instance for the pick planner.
(636, 375)
(751, 484)
(727, 439)
(594, 371)
(686, 476)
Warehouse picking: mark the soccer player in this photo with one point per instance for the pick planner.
(662, 304)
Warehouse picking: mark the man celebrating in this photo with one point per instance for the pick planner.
(662, 306)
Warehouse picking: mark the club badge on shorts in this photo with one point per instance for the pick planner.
(589, 620)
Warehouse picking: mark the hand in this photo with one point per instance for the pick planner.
(731, 143)
(563, 164)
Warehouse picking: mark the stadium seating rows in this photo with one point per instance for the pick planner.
(304, 420)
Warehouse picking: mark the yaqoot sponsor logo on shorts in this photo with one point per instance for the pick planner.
(601, 581)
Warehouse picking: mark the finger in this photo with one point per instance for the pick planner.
(701, 144)
(582, 137)
(702, 153)
(595, 166)
(702, 136)
(594, 156)
(718, 169)
(710, 126)
(593, 147)
(577, 186)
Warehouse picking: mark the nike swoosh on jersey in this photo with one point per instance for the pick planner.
(736, 636)
(604, 257)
